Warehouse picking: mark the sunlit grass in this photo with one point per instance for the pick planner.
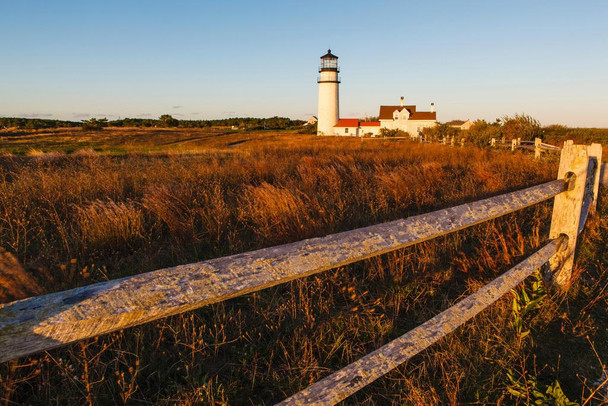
(175, 196)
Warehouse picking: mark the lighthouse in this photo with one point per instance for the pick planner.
(329, 81)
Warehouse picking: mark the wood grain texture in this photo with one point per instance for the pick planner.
(44, 322)
(549, 147)
(567, 207)
(604, 174)
(595, 152)
(343, 383)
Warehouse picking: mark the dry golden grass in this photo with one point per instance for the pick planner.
(105, 223)
(15, 282)
(85, 217)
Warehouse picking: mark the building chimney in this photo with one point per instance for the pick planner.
(402, 101)
(432, 107)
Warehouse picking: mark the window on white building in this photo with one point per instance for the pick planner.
(346, 131)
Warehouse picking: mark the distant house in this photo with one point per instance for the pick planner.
(407, 118)
(347, 126)
(460, 124)
(404, 118)
(356, 128)
(312, 120)
(369, 128)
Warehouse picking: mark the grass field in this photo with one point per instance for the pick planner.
(128, 140)
(79, 208)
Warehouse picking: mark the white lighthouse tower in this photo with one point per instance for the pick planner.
(328, 80)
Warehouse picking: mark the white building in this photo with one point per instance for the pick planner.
(328, 81)
(356, 127)
(402, 117)
(407, 118)
(460, 124)
(312, 120)
(369, 128)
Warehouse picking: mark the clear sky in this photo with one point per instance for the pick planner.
(216, 59)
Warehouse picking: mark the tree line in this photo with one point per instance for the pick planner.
(164, 121)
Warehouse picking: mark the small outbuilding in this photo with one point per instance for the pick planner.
(312, 120)
(347, 127)
(370, 128)
(460, 124)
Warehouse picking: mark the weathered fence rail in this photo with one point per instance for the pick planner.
(343, 383)
(45, 322)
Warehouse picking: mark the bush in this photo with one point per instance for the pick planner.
(481, 133)
(385, 132)
(521, 126)
(308, 129)
(167, 121)
(439, 131)
(94, 124)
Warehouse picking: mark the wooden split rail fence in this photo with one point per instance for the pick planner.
(538, 146)
(44, 322)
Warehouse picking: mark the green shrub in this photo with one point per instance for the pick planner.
(94, 124)
(481, 133)
(521, 126)
(440, 131)
(385, 132)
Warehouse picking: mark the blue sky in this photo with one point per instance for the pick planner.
(214, 59)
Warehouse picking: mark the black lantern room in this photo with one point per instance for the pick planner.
(329, 62)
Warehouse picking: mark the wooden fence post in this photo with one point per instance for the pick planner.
(537, 142)
(604, 174)
(566, 217)
(513, 144)
(493, 142)
(462, 142)
(595, 153)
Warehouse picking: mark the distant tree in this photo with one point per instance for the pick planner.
(36, 124)
(482, 132)
(167, 120)
(94, 124)
(521, 126)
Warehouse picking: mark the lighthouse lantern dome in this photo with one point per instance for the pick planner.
(329, 61)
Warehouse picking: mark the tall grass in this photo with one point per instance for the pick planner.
(107, 224)
(88, 217)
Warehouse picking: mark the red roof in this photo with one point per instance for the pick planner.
(423, 115)
(348, 122)
(370, 124)
(386, 113)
